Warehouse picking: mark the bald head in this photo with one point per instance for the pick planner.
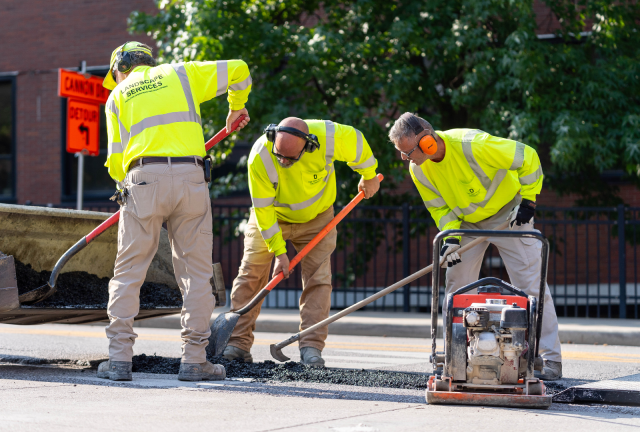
(287, 144)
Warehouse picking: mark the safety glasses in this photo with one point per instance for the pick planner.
(279, 156)
(408, 155)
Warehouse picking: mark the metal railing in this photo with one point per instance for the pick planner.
(591, 272)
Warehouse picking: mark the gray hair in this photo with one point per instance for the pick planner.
(402, 128)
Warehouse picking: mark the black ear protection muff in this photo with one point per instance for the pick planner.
(311, 141)
(123, 58)
(428, 143)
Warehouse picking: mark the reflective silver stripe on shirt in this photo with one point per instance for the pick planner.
(124, 133)
(270, 232)
(262, 202)
(417, 171)
(358, 146)
(264, 154)
(304, 204)
(436, 202)
(114, 147)
(366, 164)
(186, 88)
(330, 143)
(444, 220)
(161, 120)
(531, 178)
(495, 184)
(222, 73)
(471, 160)
(518, 159)
(242, 85)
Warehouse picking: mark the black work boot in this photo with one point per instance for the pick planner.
(231, 353)
(206, 371)
(115, 370)
(311, 357)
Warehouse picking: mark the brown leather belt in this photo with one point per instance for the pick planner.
(165, 160)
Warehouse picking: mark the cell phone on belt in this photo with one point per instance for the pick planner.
(207, 169)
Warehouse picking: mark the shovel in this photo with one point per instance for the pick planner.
(223, 326)
(47, 290)
(276, 349)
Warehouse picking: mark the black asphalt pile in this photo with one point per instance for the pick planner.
(289, 372)
(81, 290)
(554, 388)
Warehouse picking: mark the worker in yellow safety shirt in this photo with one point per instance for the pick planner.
(156, 151)
(292, 182)
(469, 179)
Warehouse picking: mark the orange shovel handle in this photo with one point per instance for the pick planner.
(335, 221)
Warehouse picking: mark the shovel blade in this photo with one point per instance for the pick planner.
(276, 353)
(221, 331)
(37, 295)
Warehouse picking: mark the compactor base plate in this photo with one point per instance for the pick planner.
(485, 399)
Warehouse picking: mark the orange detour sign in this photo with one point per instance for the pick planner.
(83, 127)
(81, 86)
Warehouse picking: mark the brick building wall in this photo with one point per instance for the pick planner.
(38, 37)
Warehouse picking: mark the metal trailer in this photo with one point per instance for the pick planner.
(39, 236)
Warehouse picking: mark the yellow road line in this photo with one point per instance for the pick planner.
(363, 346)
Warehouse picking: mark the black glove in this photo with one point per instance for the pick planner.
(448, 252)
(522, 214)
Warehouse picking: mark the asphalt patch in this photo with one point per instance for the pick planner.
(289, 372)
(81, 290)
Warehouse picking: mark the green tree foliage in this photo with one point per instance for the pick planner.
(469, 63)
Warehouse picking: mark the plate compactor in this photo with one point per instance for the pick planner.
(491, 338)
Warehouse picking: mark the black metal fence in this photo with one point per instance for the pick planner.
(592, 272)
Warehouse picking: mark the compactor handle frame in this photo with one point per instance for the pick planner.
(537, 307)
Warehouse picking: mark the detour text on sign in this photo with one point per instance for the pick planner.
(83, 127)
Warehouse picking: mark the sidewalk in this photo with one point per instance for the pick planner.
(417, 325)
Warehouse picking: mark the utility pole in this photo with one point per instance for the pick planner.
(80, 156)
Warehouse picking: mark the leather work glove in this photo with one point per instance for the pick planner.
(522, 214)
(448, 254)
(120, 196)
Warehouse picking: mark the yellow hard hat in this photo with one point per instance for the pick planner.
(117, 56)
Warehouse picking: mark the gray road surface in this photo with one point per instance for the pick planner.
(71, 398)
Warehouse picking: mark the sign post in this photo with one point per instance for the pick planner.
(86, 94)
(80, 156)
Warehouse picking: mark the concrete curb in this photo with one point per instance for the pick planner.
(571, 330)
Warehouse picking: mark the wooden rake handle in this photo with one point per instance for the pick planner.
(382, 293)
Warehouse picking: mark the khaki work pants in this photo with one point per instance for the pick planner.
(521, 257)
(177, 194)
(254, 274)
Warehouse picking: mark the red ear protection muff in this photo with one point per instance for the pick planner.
(427, 143)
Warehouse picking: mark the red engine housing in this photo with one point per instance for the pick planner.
(463, 301)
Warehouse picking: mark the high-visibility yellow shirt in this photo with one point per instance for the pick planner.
(299, 193)
(478, 176)
(155, 111)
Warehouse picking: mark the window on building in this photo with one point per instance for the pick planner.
(7, 140)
